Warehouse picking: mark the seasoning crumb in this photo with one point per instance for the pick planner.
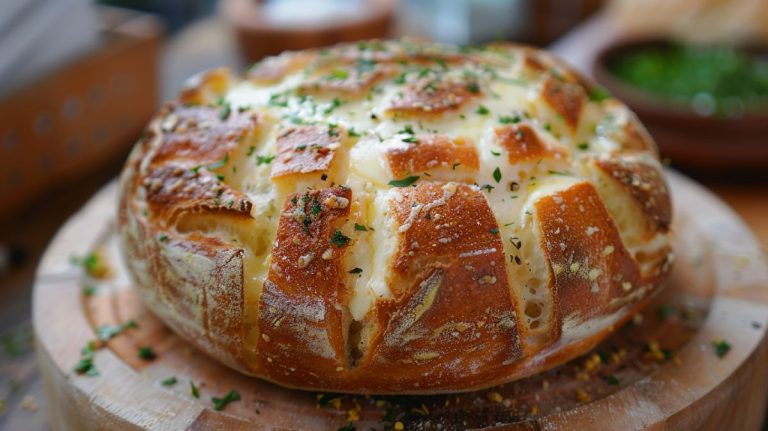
(583, 396)
(29, 403)
(495, 397)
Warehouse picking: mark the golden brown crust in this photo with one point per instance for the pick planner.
(433, 96)
(347, 219)
(566, 98)
(306, 149)
(454, 299)
(645, 184)
(523, 144)
(432, 152)
(302, 317)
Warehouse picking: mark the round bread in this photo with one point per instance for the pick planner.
(395, 216)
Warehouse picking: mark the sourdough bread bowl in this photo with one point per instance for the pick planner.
(395, 216)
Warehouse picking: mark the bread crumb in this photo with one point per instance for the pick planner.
(495, 397)
(29, 403)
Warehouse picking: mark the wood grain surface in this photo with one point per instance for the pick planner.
(660, 372)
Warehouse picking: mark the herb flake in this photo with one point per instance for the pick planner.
(403, 182)
(220, 403)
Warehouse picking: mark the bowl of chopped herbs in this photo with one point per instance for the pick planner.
(706, 105)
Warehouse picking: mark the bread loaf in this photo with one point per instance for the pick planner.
(395, 216)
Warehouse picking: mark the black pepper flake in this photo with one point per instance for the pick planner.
(356, 270)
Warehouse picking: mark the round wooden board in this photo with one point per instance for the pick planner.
(661, 371)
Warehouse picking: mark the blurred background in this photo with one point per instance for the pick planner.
(79, 79)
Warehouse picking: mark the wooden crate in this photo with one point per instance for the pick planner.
(81, 116)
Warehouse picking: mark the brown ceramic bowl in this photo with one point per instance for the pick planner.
(690, 140)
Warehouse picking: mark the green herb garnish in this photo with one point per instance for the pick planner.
(721, 348)
(404, 182)
(497, 174)
(146, 353)
(339, 239)
(220, 403)
(107, 332)
(264, 160)
(509, 120)
(170, 381)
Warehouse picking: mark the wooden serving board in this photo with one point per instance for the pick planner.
(661, 371)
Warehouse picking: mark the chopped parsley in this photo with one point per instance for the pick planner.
(598, 94)
(264, 160)
(220, 403)
(339, 239)
(583, 146)
(333, 130)
(278, 100)
(219, 164)
(146, 352)
(497, 174)
(487, 187)
(335, 103)
(347, 427)
(566, 173)
(473, 87)
(361, 228)
(509, 119)
(193, 389)
(107, 332)
(482, 110)
(338, 74)
(170, 381)
(353, 133)
(162, 237)
(404, 182)
(612, 380)
(224, 112)
(86, 366)
(494, 231)
(251, 149)
(496, 153)
(721, 348)
(315, 208)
